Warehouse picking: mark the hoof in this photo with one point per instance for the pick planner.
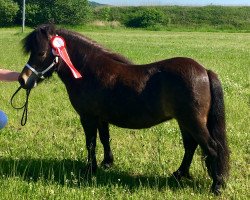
(90, 169)
(179, 175)
(106, 165)
(216, 189)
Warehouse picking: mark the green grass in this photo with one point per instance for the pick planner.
(44, 159)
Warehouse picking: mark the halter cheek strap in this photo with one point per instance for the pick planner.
(41, 74)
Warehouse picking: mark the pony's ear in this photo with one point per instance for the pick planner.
(48, 30)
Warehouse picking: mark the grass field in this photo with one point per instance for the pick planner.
(44, 159)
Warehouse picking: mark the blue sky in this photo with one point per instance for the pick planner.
(174, 2)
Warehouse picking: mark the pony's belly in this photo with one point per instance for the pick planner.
(137, 115)
(138, 123)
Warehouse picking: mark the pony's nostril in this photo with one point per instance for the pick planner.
(21, 81)
(27, 82)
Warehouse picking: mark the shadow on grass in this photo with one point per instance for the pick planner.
(73, 174)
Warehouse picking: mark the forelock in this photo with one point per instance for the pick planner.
(38, 37)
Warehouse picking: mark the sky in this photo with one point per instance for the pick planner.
(173, 2)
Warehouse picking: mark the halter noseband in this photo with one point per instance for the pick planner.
(40, 74)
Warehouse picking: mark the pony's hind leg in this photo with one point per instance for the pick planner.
(209, 147)
(108, 160)
(190, 146)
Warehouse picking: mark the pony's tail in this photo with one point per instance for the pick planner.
(216, 125)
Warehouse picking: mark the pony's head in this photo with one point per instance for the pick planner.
(42, 61)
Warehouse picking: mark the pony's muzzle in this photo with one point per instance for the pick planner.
(27, 80)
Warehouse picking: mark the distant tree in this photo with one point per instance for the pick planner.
(71, 11)
(8, 12)
(59, 11)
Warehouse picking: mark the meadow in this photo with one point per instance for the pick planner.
(46, 158)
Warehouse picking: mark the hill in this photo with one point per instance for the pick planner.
(168, 17)
(95, 4)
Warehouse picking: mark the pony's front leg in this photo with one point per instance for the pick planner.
(90, 125)
(103, 129)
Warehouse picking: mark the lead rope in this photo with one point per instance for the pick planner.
(24, 107)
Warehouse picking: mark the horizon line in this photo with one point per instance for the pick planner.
(170, 4)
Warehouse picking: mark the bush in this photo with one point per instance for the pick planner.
(8, 12)
(146, 17)
(104, 14)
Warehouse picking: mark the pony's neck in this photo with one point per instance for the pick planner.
(86, 55)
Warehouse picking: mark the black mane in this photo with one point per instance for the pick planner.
(38, 38)
(35, 37)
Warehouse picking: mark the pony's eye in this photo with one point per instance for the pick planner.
(42, 53)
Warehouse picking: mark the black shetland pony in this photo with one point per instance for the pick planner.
(113, 90)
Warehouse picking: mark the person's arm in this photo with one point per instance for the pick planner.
(8, 75)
